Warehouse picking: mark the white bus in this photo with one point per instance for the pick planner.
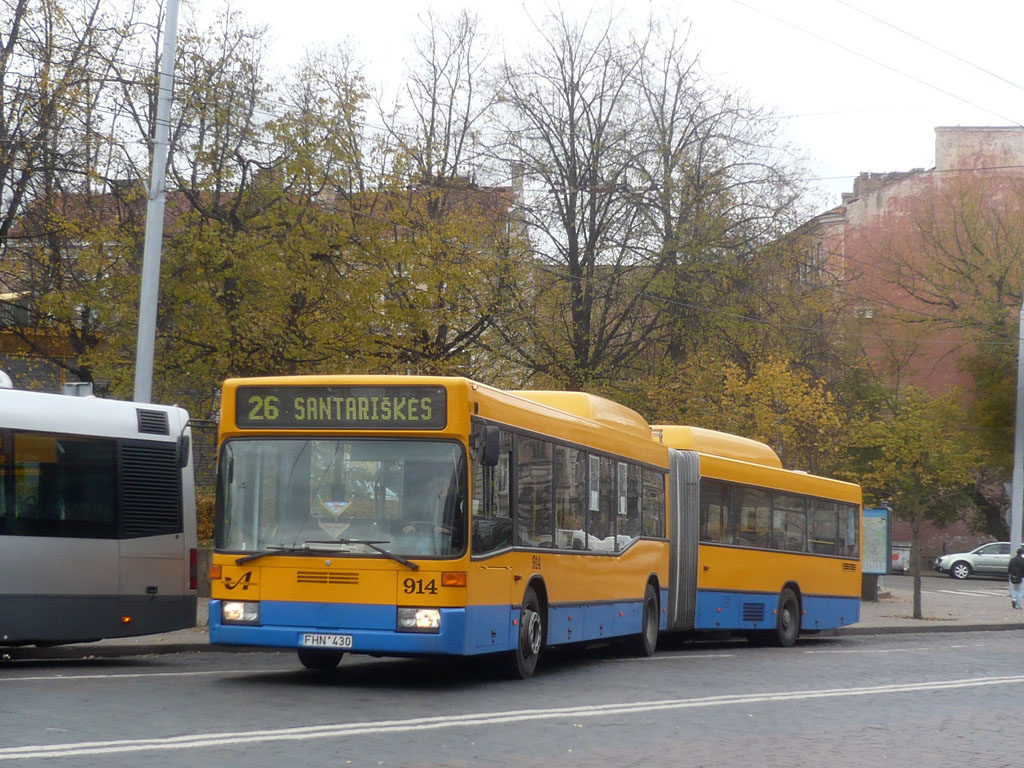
(97, 519)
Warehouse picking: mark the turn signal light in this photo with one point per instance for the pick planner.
(453, 579)
(216, 571)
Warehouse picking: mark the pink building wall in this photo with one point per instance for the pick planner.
(858, 237)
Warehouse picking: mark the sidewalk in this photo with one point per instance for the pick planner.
(947, 605)
(978, 604)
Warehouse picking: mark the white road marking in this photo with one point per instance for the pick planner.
(823, 652)
(206, 740)
(680, 657)
(980, 593)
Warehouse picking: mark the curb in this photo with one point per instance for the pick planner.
(29, 652)
(911, 630)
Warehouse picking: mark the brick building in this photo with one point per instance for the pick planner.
(862, 245)
(865, 244)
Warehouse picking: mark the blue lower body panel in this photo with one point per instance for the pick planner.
(754, 610)
(477, 629)
(372, 628)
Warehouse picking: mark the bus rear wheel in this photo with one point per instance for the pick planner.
(530, 638)
(319, 658)
(787, 621)
(646, 643)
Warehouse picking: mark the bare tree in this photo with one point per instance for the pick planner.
(721, 196)
(569, 117)
(450, 269)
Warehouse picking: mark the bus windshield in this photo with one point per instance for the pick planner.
(403, 496)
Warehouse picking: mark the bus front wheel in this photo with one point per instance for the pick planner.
(530, 637)
(319, 658)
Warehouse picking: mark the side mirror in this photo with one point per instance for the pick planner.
(491, 448)
(184, 450)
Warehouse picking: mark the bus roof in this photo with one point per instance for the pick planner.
(722, 444)
(68, 414)
(575, 417)
(592, 407)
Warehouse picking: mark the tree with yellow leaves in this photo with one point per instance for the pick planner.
(915, 459)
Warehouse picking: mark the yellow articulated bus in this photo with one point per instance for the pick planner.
(757, 549)
(409, 516)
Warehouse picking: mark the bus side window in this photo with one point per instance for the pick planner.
(3, 483)
(755, 517)
(629, 523)
(601, 520)
(848, 519)
(822, 528)
(570, 494)
(534, 489)
(715, 512)
(492, 520)
(653, 504)
(789, 522)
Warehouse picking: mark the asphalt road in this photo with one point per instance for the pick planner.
(858, 700)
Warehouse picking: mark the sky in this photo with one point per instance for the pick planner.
(861, 84)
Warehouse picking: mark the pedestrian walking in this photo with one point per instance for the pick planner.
(1016, 569)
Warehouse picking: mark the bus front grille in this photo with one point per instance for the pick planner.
(326, 577)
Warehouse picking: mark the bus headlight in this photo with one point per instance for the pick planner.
(237, 612)
(419, 620)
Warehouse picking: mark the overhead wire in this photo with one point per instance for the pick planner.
(875, 61)
(921, 40)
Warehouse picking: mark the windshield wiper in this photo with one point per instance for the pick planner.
(374, 546)
(303, 550)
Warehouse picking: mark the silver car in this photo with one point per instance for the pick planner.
(988, 558)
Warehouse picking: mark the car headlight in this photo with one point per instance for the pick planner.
(419, 620)
(238, 612)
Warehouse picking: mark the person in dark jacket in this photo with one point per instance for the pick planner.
(1016, 569)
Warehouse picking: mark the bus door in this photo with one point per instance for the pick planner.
(490, 593)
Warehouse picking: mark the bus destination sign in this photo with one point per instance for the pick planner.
(288, 407)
